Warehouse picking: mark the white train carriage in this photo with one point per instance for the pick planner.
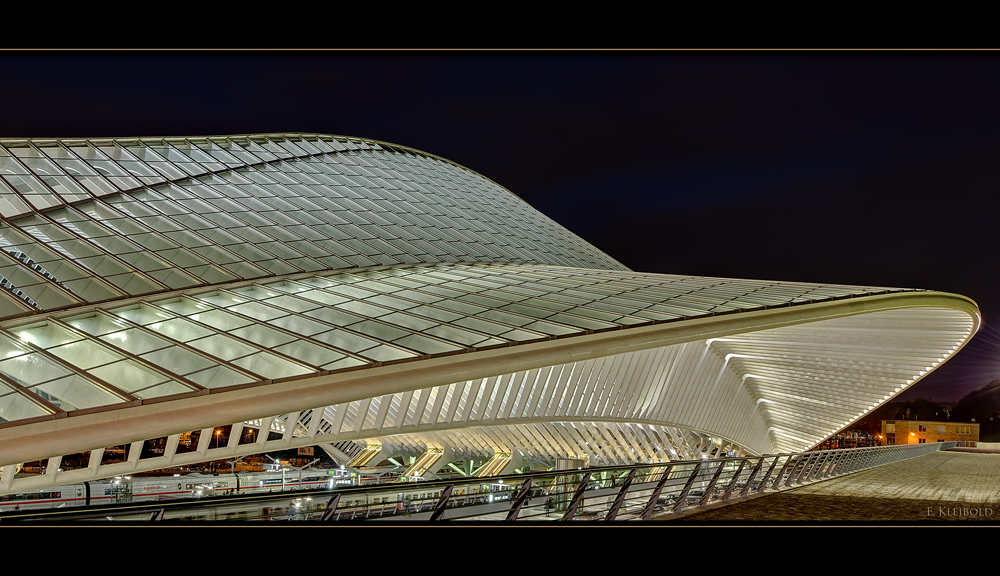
(160, 488)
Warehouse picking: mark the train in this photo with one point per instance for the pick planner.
(162, 488)
(410, 497)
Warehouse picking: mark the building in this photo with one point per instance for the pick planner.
(222, 296)
(920, 432)
(850, 439)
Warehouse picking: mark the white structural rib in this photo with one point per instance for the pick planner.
(369, 298)
(767, 381)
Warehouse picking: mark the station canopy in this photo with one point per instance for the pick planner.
(151, 270)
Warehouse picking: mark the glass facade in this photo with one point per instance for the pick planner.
(93, 220)
(153, 269)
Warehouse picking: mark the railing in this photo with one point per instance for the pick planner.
(640, 491)
(616, 493)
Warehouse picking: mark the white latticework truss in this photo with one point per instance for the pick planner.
(388, 305)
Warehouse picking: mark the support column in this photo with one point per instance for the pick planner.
(170, 449)
(263, 432)
(235, 433)
(134, 452)
(291, 422)
(95, 460)
(205, 440)
(7, 476)
(52, 467)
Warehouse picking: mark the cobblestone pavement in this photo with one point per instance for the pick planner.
(937, 487)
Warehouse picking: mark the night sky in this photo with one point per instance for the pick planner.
(866, 168)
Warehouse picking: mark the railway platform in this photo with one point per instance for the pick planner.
(945, 486)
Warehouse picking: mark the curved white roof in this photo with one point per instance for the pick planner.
(348, 292)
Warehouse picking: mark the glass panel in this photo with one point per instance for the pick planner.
(31, 368)
(270, 366)
(141, 314)
(310, 353)
(224, 347)
(16, 407)
(135, 341)
(262, 335)
(221, 320)
(426, 345)
(45, 334)
(346, 341)
(258, 311)
(129, 376)
(180, 330)
(75, 393)
(462, 336)
(168, 388)
(387, 354)
(300, 325)
(219, 377)
(85, 354)
(179, 360)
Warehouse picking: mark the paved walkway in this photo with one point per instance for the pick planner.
(937, 487)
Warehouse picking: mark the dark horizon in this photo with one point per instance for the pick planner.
(872, 169)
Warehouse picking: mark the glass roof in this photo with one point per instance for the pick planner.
(280, 256)
(276, 329)
(88, 221)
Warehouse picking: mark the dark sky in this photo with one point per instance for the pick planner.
(870, 168)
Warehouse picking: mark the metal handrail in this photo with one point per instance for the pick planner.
(609, 493)
(636, 491)
(642, 491)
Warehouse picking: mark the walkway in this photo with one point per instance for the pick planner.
(942, 486)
